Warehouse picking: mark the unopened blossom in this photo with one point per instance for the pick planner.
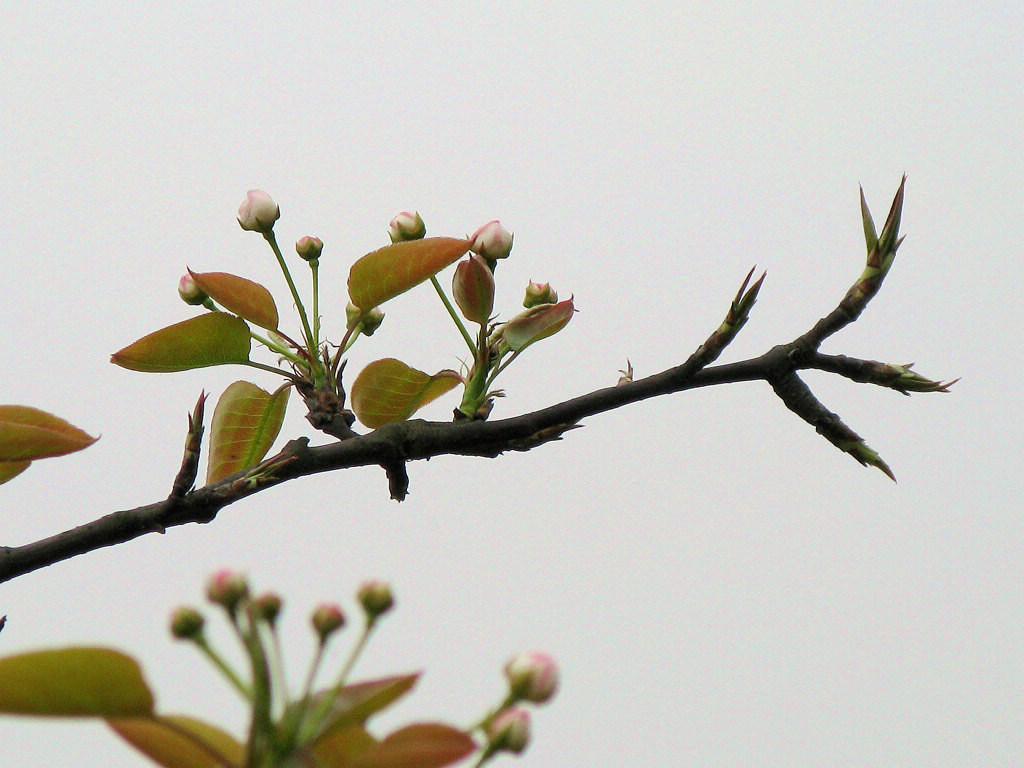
(510, 730)
(407, 225)
(532, 676)
(190, 292)
(492, 241)
(258, 211)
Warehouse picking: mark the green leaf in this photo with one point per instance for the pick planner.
(28, 433)
(394, 269)
(215, 338)
(178, 741)
(243, 297)
(341, 748)
(536, 323)
(357, 702)
(422, 745)
(389, 390)
(11, 469)
(245, 424)
(74, 682)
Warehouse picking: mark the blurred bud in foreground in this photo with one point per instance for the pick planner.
(267, 607)
(532, 676)
(187, 623)
(376, 598)
(327, 619)
(309, 248)
(510, 730)
(258, 212)
(539, 293)
(190, 291)
(227, 588)
(492, 241)
(473, 289)
(407, 226)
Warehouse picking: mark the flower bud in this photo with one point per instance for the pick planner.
(473, 289)
(227, 588)
(370, 321)
(407, 226)
(492, 241)
(376, 598)
(267, 607)
(327, 619)
(190, 291)
(187, 623)
(510, 730)
(532, 676)
(539, 293)
(309, 248)
(258, 212)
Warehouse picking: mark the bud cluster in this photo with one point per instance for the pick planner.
(532, 677)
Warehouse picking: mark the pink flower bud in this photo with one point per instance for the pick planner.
(492, 241)
(510, 730)
(407, 226)
(473, 289)
(228, 589)
(187, 623)
(309, 248)
(327, 619)
(532, 676)
(539, 293)
(258, 212)
(190, 291)
(376, 598)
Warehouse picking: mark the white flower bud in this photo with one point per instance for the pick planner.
(258, 212)
(407, 226)
(492, 241)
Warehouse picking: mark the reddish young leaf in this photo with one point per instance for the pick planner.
(11, 469)
(245, 424)
(178, 741)
(423, 745)
(394, 269)
(356, 702)
(215, 338)
(74, 682)
(389, 390)
(28, 433)
(243, 297)
(537, 323)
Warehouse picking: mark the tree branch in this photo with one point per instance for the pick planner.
(393, 445)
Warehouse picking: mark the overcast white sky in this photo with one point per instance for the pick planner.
(720, 585)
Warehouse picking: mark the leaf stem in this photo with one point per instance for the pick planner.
(454, 314)
(272, 369)
(318, 373)
(314, 265)
(224, 668)
(502, 367)
(282, 351)
(332, 695)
